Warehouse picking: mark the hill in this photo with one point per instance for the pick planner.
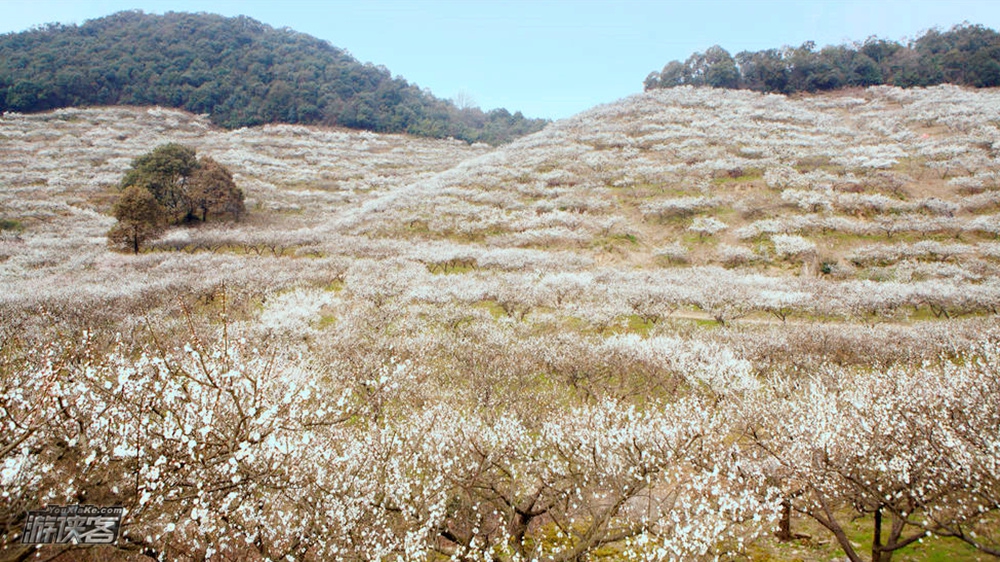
(820, 194)
(239, 71)
(866, 180)
(662, 329)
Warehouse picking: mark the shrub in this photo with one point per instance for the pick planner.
(733, 256)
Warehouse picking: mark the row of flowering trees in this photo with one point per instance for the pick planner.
(224, 441)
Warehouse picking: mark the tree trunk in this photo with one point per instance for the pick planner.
(785, 525)
(877, 537)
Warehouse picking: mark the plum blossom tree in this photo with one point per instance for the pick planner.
(909, 447)
(733, 256)
(706, 226)
(644, 482)
(188, 440)
(674, 252)
(725, 298)
(792, 245)
(679, 207)
(652, 299)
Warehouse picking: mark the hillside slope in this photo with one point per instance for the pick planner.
(817, 194)
(635, 334)
(874, 183)
(239, 71)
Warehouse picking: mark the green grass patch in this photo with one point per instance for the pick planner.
(727, 215)
(493, 307)
(336, 286)
(821, 546)
(691, 239)
(680, 220)
(614, 241)
(11, 225)
(638, 325)
(706, 323)
(928, 549)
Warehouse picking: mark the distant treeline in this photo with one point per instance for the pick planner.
(966, 55)
(238, 70)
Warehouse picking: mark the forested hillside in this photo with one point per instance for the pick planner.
(239, 71)
(967, 55)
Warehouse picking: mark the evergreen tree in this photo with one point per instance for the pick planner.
(165, 172)
(967, 55)
(140, 218)
(211, 190)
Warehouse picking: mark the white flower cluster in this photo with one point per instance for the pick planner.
(792, 246)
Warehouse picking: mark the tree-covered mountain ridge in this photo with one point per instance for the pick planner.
(965, 55)
(238, 70)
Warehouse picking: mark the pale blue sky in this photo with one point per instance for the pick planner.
(545, 58)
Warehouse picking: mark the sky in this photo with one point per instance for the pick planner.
(545, 58)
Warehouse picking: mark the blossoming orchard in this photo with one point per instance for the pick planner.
(692, 324)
